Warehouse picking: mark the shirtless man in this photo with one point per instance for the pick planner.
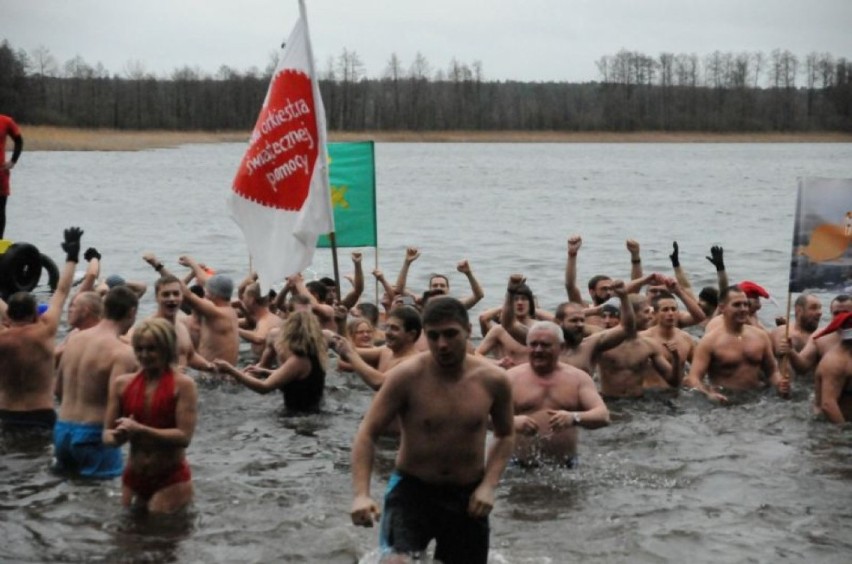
(637, 364)
(516, 316)
(444, 482)
(219, 326)
(92, 359)
(737, 356)
(257, 310)
(581, 350)
(26, 349)
(600, 286)
(551, 399)
(440, 284)
(835, 371)
(169, 296)
(813, 351)
(753, 294)
(84, 312)
(658, 284)
(806, 360)
(317, 293)
(402, 331)
(808, 312)
(357, 280)
(666, 333)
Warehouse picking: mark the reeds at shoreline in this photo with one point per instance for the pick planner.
(48, 138)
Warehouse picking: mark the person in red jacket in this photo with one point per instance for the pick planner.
(8, 128)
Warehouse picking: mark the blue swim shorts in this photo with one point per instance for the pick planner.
(78, 448)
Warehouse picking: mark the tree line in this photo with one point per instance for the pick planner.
(719, 92)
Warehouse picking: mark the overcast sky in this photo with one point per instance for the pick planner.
(529, 40)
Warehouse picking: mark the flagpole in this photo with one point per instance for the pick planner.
(785, 360)
(333, 240)
(376, 279)
(323, 152)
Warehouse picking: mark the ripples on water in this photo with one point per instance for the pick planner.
(679, 481)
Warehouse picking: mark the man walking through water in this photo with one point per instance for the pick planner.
(443, 484)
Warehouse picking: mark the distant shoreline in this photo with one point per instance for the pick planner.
(47, 138)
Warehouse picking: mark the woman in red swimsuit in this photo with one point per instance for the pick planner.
(154, 409)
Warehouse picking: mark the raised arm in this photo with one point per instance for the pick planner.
(611, 338)
(574, 244)
(680, 273)
(351, 298)
(203, 307)
(478, 294)
(635, 259)
(93, 270)
(717, 259)
(200, 274)
(636, 284)
(381, 280)
(411, 255)
(71, 246)
(693, 314)
(517, 330)
(324, 312)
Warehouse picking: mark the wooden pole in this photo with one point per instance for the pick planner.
(785, 360)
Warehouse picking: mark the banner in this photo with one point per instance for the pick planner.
(822, 254)
(280, 197)
(352, 175)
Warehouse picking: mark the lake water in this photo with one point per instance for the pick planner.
(756, 481)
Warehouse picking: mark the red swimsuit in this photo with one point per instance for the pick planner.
(161, 415)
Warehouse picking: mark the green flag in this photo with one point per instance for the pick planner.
(352, 176)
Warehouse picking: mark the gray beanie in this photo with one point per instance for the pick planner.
(221, 286)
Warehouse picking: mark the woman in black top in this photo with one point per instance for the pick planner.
(303, 357)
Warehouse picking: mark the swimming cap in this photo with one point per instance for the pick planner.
(114, 280)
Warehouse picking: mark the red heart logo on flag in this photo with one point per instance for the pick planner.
(277, 168)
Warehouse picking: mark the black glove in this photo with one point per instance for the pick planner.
(91, 253)
(71, 246)
(673, 256)
(717, 258)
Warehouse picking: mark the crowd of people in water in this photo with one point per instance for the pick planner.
(532, 380)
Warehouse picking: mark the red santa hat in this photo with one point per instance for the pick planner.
(753, 290)
(841, 321)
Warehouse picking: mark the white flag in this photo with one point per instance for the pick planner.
(281, 198)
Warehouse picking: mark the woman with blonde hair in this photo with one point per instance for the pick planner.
(155, 410)
(360, 332)
(303, 356)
